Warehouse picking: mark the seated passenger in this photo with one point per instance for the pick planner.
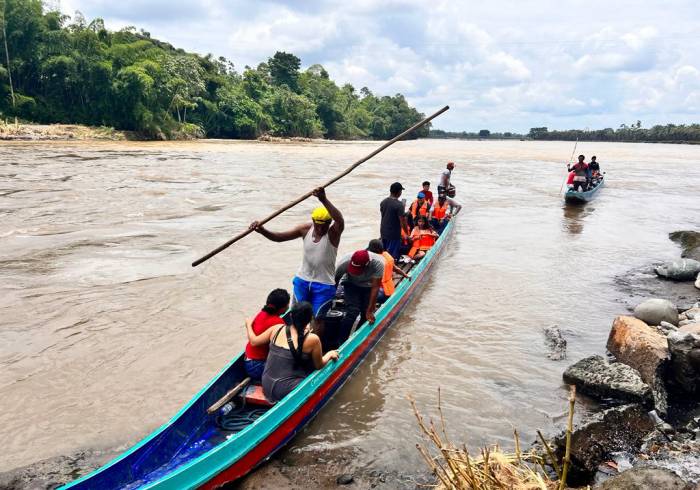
(259, 330)
(428, 193)
(440, 213)
(594, 167)
(293, 355)
(419, 207)
(570, 180)
(387, 287)
(423, 238)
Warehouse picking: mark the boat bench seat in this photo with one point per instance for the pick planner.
(253, 395)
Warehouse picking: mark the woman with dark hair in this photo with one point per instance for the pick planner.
(259, 329)
(294, 355)
(423, 238)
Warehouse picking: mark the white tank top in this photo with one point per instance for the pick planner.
(318, 262)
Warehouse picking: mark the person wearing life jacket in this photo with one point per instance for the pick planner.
(440, 213)
(387, 287)
(423, 238)
(419, 207)
(580, 170)
(259, 330)
(315, 279)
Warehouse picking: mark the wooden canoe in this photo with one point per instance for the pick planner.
(574, 197)
(192, 450)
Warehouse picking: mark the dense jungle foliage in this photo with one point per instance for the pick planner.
(60, 70)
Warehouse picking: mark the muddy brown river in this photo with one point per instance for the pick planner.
(106, 330)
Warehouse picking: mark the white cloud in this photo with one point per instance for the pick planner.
(500, 65)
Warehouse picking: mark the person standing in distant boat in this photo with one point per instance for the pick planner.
(393, 220)
(580, 170)
(445, 178)
(315, 280)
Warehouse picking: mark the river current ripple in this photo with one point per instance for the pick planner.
(106, 330)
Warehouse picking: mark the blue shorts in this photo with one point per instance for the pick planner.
(254, 368)
(319, 295)
(393, 247)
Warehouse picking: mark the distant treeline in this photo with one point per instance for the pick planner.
(58, 70)
(670, 133)
(464, 135)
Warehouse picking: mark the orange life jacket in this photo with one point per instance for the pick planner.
(422, 239)
(439, 212)
(388, 278)
(422, 211)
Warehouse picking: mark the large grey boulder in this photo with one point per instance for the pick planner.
(654, 311)
(697, 281)
(679, 270)
(689, 241)
(644, 348)
(645, 479)
(596, 438)
(684, 346)
(597, 377)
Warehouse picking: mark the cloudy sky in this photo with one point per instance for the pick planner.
(500, 65)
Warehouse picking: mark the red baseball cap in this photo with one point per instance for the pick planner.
(358, 262)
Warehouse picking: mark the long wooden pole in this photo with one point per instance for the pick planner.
(570, 160)
(308, 194)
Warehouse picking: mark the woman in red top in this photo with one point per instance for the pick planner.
(259, 330)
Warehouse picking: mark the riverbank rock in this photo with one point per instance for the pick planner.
(556, 343)
(679, 270)
(684, 347)
(697, 281)
(596, 438)
(597, 377)
(654, 311)
(636, 344)
(643, 478)
(689, 242)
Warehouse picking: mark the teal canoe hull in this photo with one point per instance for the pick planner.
(190, 452)
(583, 197)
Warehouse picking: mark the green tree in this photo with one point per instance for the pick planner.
(284, 70)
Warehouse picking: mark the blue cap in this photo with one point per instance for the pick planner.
(421, 194)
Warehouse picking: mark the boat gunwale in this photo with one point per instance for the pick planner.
(291, 403)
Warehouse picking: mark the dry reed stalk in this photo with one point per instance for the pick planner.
(493, 469)
(552, 459)
(569, 430)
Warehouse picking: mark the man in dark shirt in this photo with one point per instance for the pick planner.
(392, 211)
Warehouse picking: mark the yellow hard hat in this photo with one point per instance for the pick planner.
(320, 215)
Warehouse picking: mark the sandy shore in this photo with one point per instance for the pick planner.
(43, 132)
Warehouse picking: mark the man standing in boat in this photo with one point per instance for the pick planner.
(393, 220)
(315, 280)
(580, 170)
(445, 178)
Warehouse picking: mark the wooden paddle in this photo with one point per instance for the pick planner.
(569, 165)
(228, 396)
(308, 194)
